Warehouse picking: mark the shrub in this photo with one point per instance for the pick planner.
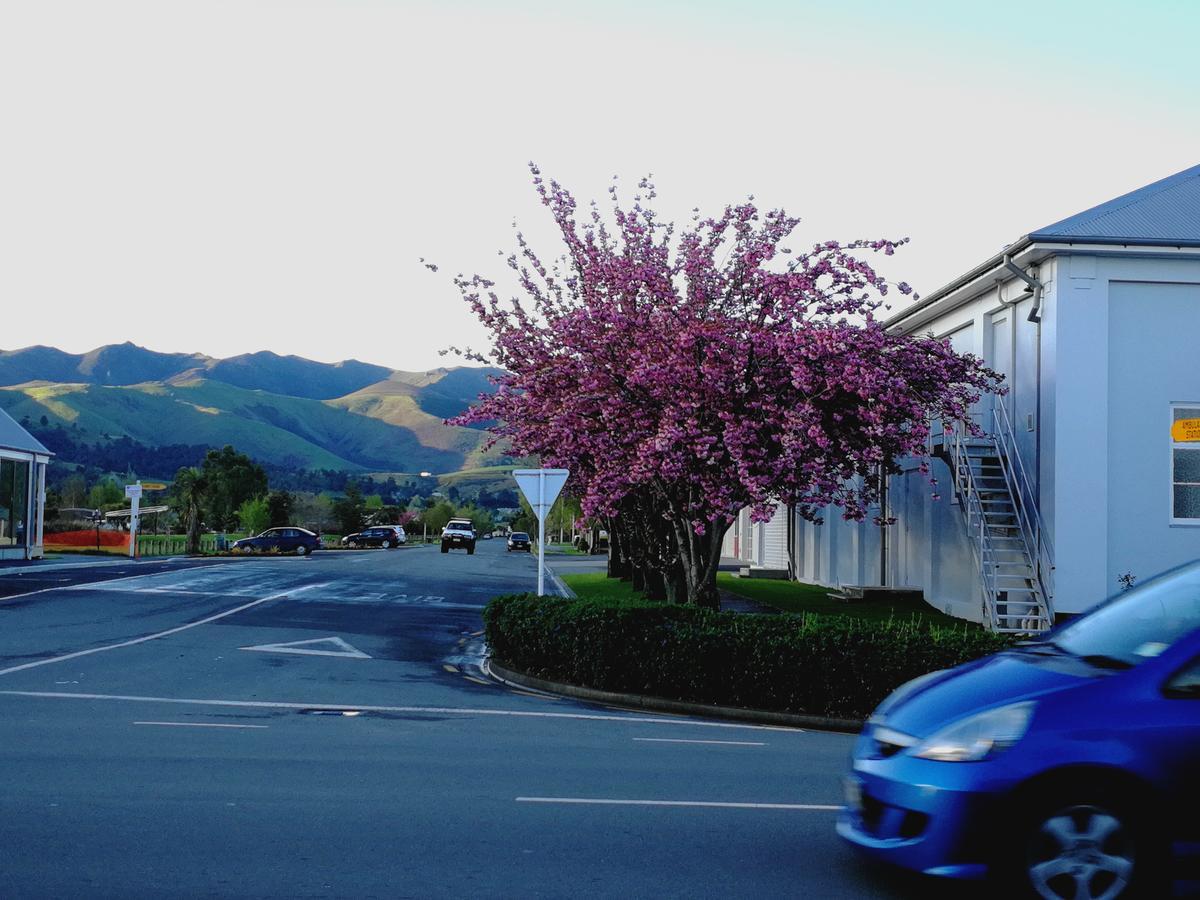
(817, 665)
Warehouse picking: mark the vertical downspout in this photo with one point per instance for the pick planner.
(791, 542)
(883, 529)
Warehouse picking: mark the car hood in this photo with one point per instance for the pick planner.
(934, 701)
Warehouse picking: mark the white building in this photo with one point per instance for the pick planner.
(1090, 469)
(22, 491)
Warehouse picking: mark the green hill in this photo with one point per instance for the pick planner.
(283, 410)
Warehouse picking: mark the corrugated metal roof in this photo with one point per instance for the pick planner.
(1163, 214)
(14, 437)
(1166, 212)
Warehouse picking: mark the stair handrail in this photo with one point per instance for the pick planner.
(982, 546)
(1028, 516)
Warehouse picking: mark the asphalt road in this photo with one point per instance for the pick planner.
(320, 727)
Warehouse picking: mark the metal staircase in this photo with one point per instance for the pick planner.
(1003, 525)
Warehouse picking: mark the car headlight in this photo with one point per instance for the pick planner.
(979, 736)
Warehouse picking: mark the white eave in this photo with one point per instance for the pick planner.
(1023, 253)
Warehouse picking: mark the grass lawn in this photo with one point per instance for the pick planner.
(598, 586)
(791, 596)
(564, 549)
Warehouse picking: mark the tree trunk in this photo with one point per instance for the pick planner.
(656, 586)
(193, 532)
(618, 554)
(700, 557)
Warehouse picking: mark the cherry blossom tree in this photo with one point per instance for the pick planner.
(683, 376)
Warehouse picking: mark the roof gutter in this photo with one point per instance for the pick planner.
(962, 281)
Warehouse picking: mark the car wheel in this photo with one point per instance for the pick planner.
(386, 545)
(1088, 848)
(301, 550)
(445, 549)
(470, 551)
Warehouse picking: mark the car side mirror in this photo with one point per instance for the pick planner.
(1185, 683)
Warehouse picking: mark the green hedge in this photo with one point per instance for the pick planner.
(818, 665)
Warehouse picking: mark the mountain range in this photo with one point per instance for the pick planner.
(282, 410)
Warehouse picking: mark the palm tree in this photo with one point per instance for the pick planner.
(190, 489)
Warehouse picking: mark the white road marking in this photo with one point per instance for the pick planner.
(190, 593)
(200, 725)
(304, 647)
(433, 710)
(685, 741)
(85, 585)
(818, 807)
(161, 634)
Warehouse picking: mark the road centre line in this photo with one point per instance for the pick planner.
(816, 807)
(201, 725)
(84, 585)
(431, 710)
(161, 634)
(686, 741)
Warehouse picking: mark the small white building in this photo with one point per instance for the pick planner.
(23, 463)
(1089, 470)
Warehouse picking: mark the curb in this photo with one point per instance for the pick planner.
(661, 704)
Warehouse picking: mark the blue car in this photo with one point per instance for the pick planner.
(281, 540)
(1068, 767)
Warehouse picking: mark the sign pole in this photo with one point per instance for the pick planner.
(135, 500)
(541, 534)
(541, 487)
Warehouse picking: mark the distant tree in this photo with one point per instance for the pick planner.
(279, 508)
(255, 515)
(106, 494)
(436, 516)
(188, 495)
(73, 491)
(525, 520)
(348, 510)
(232, 479)
(313, 511)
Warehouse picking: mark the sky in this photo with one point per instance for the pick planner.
(227, 177)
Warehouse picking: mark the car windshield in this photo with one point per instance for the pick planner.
(520, 536)
(1137, 625)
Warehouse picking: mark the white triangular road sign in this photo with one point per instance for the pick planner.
(541, 496)
(305, 647)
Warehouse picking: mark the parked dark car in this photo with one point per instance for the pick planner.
(458, 535)
(385, 536)
(283, 540)
(1068, 766)
(519, 540)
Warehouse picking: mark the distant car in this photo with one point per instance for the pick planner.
(283, 540)
(384, 536)
(519, 540)
(1066, 765)
(458, 535)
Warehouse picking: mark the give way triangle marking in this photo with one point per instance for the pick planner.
(306, 647)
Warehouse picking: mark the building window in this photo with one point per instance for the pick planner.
(1185, 463)
(14, 492)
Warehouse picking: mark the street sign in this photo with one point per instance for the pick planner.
(134, 493)
(541, 488)
(153, 486)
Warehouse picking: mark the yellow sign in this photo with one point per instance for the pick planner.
(1186, 430)
(159, 486)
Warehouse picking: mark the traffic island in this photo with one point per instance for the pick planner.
(662, 704)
